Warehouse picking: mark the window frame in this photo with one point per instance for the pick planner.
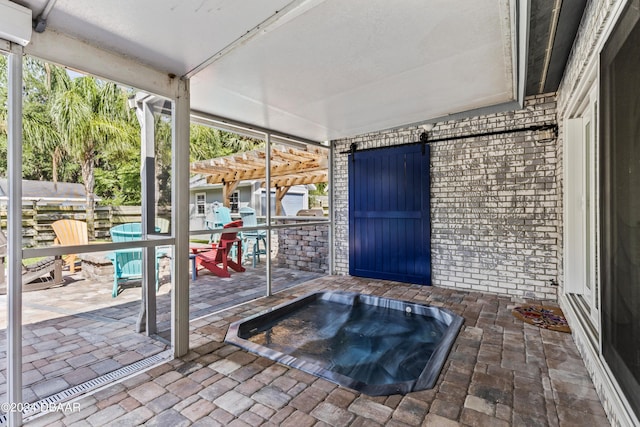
(581, 204)
(234, 201)
(199, 203)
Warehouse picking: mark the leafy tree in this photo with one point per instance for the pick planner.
(320, 190)
(163, 133)
(208, 143)
(70, 127)
(91, 117)
(41, 136)
(120, 185)
(38, 123)
(205, 142)
(75, 122)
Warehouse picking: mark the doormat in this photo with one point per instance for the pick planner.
(551, 318)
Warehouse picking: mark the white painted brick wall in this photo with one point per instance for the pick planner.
(494, 202)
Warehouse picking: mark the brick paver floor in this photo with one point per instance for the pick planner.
(500, 372)
(77, 332)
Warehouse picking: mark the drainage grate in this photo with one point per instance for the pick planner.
(92, 385)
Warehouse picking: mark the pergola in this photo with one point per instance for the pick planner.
(288, 167)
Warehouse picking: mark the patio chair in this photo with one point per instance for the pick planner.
(218, 216)
(127, 263)
(42, 275)
(310, 212)
(126, 232)
(48, 270)
(249, 219)
(163, 225)
(221, 253)
(133, 230)
(70, 232)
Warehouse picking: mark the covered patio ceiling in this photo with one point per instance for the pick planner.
(318, 69)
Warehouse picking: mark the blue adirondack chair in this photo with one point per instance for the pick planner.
(127, 263)
(218, 217)
(126, 232)
(249, 219)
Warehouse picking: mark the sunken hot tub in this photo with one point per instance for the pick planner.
(375, 345)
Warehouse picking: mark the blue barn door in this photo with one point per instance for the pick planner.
(389, 219)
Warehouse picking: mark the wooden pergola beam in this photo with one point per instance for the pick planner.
(227, 189)
(280, 193)
(218, 176)
(289, 167)
(291, 180)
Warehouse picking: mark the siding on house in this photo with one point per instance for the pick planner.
(495, 215)
(249, 194)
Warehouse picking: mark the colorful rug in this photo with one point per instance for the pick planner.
(550, 318)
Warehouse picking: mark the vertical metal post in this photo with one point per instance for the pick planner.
(180, 223)
(147, 176)
(14, 235)
(267, 181)
(331, 233)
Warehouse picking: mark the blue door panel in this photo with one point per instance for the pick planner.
(389, 218)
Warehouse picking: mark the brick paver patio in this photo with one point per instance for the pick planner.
(501, 372)
(77, 332)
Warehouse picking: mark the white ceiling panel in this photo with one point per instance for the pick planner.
(174, 36)
(345, 68)
(319, 69)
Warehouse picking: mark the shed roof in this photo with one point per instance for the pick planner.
(47, 191)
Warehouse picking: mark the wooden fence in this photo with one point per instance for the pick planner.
(37, 219)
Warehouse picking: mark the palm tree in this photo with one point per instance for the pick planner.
(237, 143)
(163, 139)
(91, 116)
(207, 143)
(72, 121)
(41, 136)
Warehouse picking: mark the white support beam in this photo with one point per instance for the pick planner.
(147, 318)
(331, 237)
(268, 201)
(73, 53)
(14, 235)
(523, 10)
(249, 130)
(282, 16)
(180, 223)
